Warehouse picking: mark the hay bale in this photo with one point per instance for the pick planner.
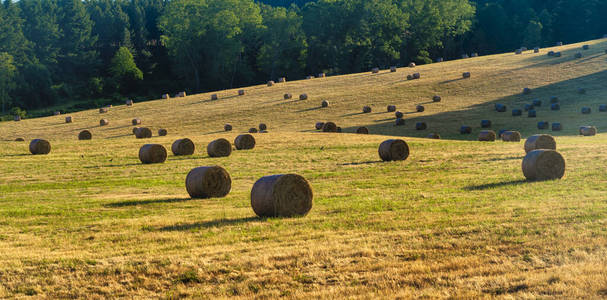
(19, 139)
(162, 132)
(540, 141)
(585, 47)
(303, 97)
(485, 123)
(555, 106)
(550, 53)
(588, 130)
(282, 80)
(558, 44)
(465, 56)
(135, 130)
(511, 136)
(271, 83)
(281, 196)
(241, 92)
(420, 108)
(322, 75)
(287, 96)
(531, 113)
(557, 127)
(500, 107)
(183, 147)
(421, 126)
(263, 127)
(366, 109)
(324, 103)
(466, 75)
(439, 60)
(362, 130)
(252, 130)
(219, 148)
(391, 108)
(411, 65)
(40, 147)
(537, 102)
(227, 127)
(69, 119)
(557, 54)
(586, 110)
(103, 110)
(166, 96)
(542, 125)
(57, 113)
(181, 94)
(244, 142)
(393, 150)
(309, 77)
(398, 114)
(517, 112)
(85, 135)
(393, 69)
(319, 125)
(603, 108)
(399, 122)
(375, 70)
(465, 129)
(152, 154)
(136, 121)
(435, 136)
(129, 103)
(486, 136)
(410, 77)
(536, 50)
(104, 122)
(143, 133)
(208, 182)
(528, 107)
(543, 164)
(329, 127)
(436, 98)
(214, 97)
(417, 76)
(554, 99)
(578, 55)
(526, 91)
(474, 54)
(581, 91)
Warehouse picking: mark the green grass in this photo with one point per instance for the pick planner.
(456, 219)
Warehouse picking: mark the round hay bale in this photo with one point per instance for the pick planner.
(309, 77)
(252, 130)
(104, 122)
(578, 55)
(227, 127)
(536, 50)
(440, 59)
(537, 102)
(214, 97)
(366, 109)
(219, 148)
(543, 164)
(85, 135)
(19, 139)
(143, 133)
(474, 54)
(524, 48)
(435, 136)
(244, 142)
(550, 53)
(287, 96)
(581, 91)
(282, 80)
(586, 110)
(162, 132)
(183, 147)
(57, 113)
(362, 130)
(271, 83)
(436, 98)
(585, 47)
(528, 107)
(303, 97)
(511, 136)
(375, 70)
(263, 127)
(398, 114)
(557, 54)
(517, 112)
(329, 127)
(411, 65)
(399, 122)
(393, 69)
(486, 136)
(555, 106)
(324, 103)
(322, 75)
(465, 56)
(319, 125)
(540, 141)
(69, 119)
(557, 127)
(181, 94)
(531, 113)
(526, 91)
(465, 129)
(281, 196)
(393, 149)
(500, 107)
(135, 130)
(410, 77)
(241, 92)
(558, 44)
(485, 123)
(103, 110)
(129, 103)
(40, 147)
(166, 96)
(417, 76)
(421, 126)
(542, 125)
(588, 130)
(136, 122)
(466, 75)
(554, 99)
(391, 108)
(152, 154)
(420, 108)
(208, 182)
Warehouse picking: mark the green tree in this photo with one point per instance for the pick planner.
(124, 71)
(7, 76)
(533, 34)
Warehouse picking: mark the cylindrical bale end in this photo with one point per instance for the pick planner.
(152, 154)
(219, 148)
(85, 135)
(183, 147)
(208, 182)
(40, 146)
(543, 164)
(540, 141)
(244, 142)
(281, 196)
(393, 149)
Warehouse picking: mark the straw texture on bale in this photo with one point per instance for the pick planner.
(219, 148)
(85, 135)
(40, 147)
(543, 164)
(252, 130)
(557, 127)
(588, 130)
(417, 76)
(531, 113)
(399, 122)
(162, 132)
(303, 97)
(19, 139)
(555, 106)
(511, 136)
(433, 135)
(227, 127)
(208, 182)
(324, 103)
(244, 142)
(485, 123)
(285, 195)
(287, 96)
(319, 125)
(410, 77)
(541, 125)
(393, 149)
(586, 110)
(540, 141)
(263, 127)
(487, 136)
(366, 109)
(69, 119)
(391, 108)
(466, 75)
(143, 133)
(465, 129)
(214, 97)
(271, 83)
(329, 127)
(421, 126)
(183, 147)
(362, 130)
(136, 121)
(135, 130)
(241, 92)
(517, 112)
(152, 154)
(436, 98)
(420, 108)
(104, 122)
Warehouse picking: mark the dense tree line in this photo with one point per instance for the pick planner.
(84, 54)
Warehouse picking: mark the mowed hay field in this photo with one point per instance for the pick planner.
(456, 219)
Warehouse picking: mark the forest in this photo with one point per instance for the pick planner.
(71, 55)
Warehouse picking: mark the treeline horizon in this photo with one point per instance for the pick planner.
(77, 55)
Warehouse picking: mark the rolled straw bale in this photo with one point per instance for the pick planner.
(528, 107)
(537, 102)
(466, 75)
(465, 56)
(162, 132)
(136, 121)
(143, 133)
(244, 142)
(540, 141)
(287, 96)
(500, 107)
(581, 91)
(375, 70)
(586, 110)
(486, 136)
(511, 136)
(391, 108)
(181, 94)
(17, 118)
(366, 109)
(322, 75)
(554, 99)
(531, 113)
(558, 44)
(252, 130)
(166, 96)
(417, 76)
(585, 47)
(433, 135)
(421, 126)
(578, 55)
(135, 130)
(517, 112)
(398, 114)
(282, 80)
(526, 91)
(271, 83)
(329, 127)
(40, 146)
(393, 69)
(474, 54)
(541, 125)
(241, 92)
(227, 127)
(411, 65)
(588, 130)
(69, 119)
(152, 154)
(393, 149)
(420, 108)
(319, 125)
(281, 196)
(85, 135)
(543, 164)
(485, 123)
(536, 50)
(603, 107)
(557, 54)
(263, 127)
(362, 130)
(440, 59)
(303, 97)
(557, 127)
(103, 110)
(183, 147)
(309, 77)
(208, 182)
(57, 113)
(324, 103)
(399, 122)
(214, 97)
(129, 103)
(465, 129)
(436, 98)
(550, 53)
(219, 148)
(104, 122)
(410, 77)
(524, 48)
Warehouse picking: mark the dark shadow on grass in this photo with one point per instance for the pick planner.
(309, 109)
(361, 163)
(352, 114)
(119, 136)
(215, 132)
(186, 157)
(489, 186)
(112, 166)
(209, 224)
(19, 154)
(504, 158)
(145, 202)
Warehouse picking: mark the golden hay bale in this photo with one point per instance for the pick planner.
(136, 121)
(129, 102)
(366, 109)
(181, 94)
(435, 136)
(103, 110)
(486, 136)
(152, 154)
(104, 122)
(474, 54)
(543, 164)
(287, 96)
(69, 119)
(282, 80)
(324, 103)
(214, 97)
(85, 135)
(588, 130)
(271, 83)
(135, 130)
(466, 75)
(57, 113)
(219, 148)
(411, 65)
(19, 139)
(540, 141)
(417, 76)
(436, 98)
(309, 77)
(329, 127)
(303, 97)
(252, 130)
(410, 77)
(227, 127)
(362, 130)
(183, 147)
(241, 92)
(375, 70)
(393, 149)
(281, 196)
(391, 108)
(511, 136)
(244, 142)
(208, 182)
(399, 114)
(322, 75)
(263, 127)
(143, 133)
(40, 146)
(393, 69)
(162, 132)
(319, 125)
(166, 96)
(420, 108)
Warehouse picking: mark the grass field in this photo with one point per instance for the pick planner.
(455, 220)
